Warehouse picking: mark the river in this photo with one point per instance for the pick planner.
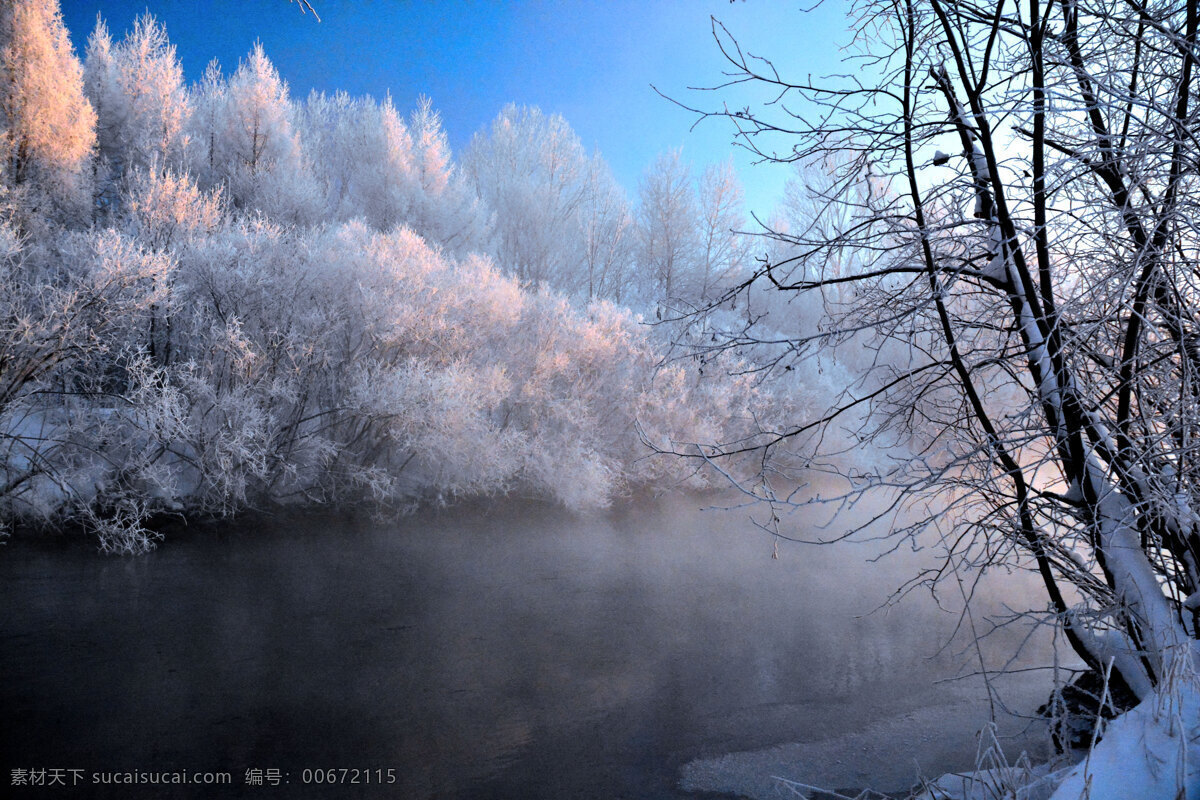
(494, 650)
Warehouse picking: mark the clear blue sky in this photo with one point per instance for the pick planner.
(592, 62)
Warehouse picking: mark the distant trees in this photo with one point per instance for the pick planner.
(670, 246)
(609, 236)
(371, 164)
(561, 218)
(722, 251)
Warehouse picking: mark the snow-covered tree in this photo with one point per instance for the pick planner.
(668, 223)
(447, 210)
(246, 142)
(363, 158)
(392, 194)
(533, 172)
(140, 98)
(208, 97)
(722, 248)
(258, 125)
(47, 126)
(1040, 275)
(609, 234)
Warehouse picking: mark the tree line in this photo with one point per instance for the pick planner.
(218, 297)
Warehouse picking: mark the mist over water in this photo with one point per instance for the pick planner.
(500, 650)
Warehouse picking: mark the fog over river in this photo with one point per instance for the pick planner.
(506, 650)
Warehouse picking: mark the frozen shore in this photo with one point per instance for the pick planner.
(1150, 752)
(890, 755)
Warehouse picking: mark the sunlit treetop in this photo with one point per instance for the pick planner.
(593, 63)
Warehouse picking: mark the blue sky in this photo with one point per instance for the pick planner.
(592, 62)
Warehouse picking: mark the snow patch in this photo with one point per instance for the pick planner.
(1151, 751)
(1012, 783)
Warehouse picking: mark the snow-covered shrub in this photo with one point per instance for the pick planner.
(76, 385)
(329, 363)
(166, 208)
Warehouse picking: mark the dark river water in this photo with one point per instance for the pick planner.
(507, 650)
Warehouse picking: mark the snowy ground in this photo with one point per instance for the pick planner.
(1151, 752)
(891, 754)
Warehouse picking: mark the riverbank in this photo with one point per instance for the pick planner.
(891, 754)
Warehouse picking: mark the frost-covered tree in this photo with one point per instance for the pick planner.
(533, 172)
(447, 210)
(432, 149)
(668, 227)
(281, 304)
(391, 197)
(141, 102)
(143, 108)
(609, 234)
(47, 126)
(722, 253)
(246, 142)
(363, 158)
(205, 158)
(258, 125)
(1011, 202)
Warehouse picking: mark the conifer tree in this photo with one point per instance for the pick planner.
(47, 126)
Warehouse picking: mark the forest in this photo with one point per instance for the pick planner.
(222, 297)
